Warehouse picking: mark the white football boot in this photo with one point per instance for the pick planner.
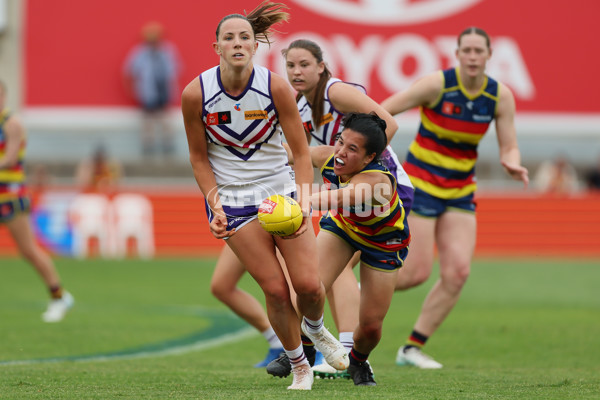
(303, 378)
(415, 357)
(334, 352)
(57, 308)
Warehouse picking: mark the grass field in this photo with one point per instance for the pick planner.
(523, 329)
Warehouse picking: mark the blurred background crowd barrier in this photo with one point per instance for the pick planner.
(173, 224)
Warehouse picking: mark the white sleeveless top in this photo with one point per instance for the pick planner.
(244, 140)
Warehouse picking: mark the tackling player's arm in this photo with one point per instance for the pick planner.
(368, 187)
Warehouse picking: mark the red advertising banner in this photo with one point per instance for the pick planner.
(508, 225)
(544, 51)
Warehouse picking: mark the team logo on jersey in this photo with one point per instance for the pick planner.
(255, 114)
(237, 107)
(308, 126)
(451, 108)
(327, 118)
(219, 118)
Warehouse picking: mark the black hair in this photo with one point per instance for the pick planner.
(371, 127)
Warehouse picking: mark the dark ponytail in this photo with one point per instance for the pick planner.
(371, 127)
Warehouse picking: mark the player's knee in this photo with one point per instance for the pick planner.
(219, 290)
(420, 276)
(309, 290)
(276, 293)
(372, 331)
(456, 276)
(415, 276)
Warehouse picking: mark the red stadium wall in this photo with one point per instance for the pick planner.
(507, 226)
(539, 226)
(74, 50)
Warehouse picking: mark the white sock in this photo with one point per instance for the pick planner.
(271, 336)
(314, 326)
(347, 340)
(297, 356)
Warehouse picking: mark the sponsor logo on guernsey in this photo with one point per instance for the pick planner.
(219, 118)
(256, 114)
(327, 118)
(451, 108)
(477, 117)
(237, 107)
(211, 105)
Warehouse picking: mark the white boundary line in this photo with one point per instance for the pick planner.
(175, 350)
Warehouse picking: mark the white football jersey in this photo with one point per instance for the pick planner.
(324, 132)
(244, 140)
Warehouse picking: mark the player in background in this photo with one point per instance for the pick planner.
(322, 101)
(366, 214)
(457, 105)
(232, 115)
(15, 208)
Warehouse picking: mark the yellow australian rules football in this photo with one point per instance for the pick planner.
(280, 215)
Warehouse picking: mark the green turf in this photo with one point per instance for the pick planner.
(523, 329)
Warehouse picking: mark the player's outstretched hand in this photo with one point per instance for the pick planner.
(517, 172)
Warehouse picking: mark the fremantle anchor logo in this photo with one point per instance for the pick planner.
(386, 12)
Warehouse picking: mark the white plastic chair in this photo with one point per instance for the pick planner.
(89, 217)
(132, 218)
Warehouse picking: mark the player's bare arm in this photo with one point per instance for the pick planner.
(369, 187)
(191, 107)
(424, 92)
(510, 156)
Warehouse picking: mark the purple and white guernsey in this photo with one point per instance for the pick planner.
(244, 140)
